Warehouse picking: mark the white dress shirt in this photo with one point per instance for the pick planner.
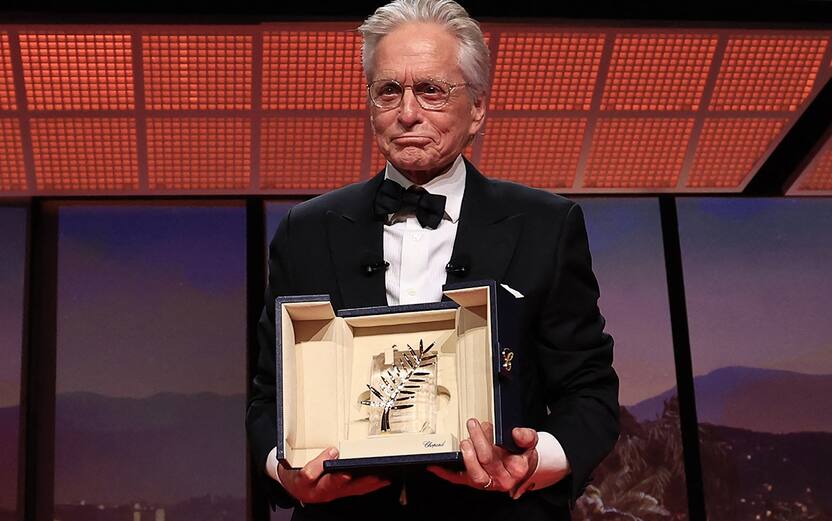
(417, 258)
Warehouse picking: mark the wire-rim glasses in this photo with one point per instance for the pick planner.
(431, 94)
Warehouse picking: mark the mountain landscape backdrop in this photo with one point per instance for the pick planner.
(763, 400)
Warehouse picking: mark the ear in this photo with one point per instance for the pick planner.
(372, 121)
(477, 115)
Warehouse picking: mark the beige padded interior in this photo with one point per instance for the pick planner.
(327, 363)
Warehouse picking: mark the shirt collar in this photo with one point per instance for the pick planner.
(451, 184)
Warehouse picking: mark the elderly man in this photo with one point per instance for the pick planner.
(430, 218)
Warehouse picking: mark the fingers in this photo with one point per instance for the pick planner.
(482, 444)
(334, 486)
(477, 476)
(518, 466)
(366, 484)
(310, 472)
(524, 438)
(489, 457)
(458, 478)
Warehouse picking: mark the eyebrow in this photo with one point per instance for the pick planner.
(417, 79)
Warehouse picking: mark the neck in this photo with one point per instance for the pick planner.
(421, 177)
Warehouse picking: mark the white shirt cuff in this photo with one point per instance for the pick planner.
(552, 465)
(271, 465)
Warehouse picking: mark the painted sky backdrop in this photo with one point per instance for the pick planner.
(12, 258)
(625, 240)
(151, 299)
(758, 282)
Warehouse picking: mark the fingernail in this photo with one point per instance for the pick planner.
(345, 477)
(333, 453)
(472, 423)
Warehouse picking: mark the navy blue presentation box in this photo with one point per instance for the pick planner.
(324, 364)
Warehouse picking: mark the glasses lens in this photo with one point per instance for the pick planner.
(386, 93)
(432, 94)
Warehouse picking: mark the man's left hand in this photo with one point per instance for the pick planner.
(489, 467)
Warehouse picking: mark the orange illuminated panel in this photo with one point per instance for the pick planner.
(729, 148)
(85, 154)
(7, 96)
(658, 71)
(819, 174)
(12, 171)
(77, 71)
(378, 162)
(767, 73)
(197, 72)
(315, 154)
(538, 152)
(546, 71)
(198, 153)
(308, 70)
(637, 152)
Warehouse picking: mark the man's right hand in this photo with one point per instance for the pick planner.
(311, 485)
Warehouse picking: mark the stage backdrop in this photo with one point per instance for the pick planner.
(12, 258)
(151, 362)
(758, 285)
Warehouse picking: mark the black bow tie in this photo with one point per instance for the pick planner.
(392, 197)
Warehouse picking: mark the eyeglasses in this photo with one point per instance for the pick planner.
(430, 94)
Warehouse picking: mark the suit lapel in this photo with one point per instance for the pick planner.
(487, 233)
(355, 239)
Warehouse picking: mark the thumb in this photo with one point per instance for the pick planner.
(524, 438)
(313, 470)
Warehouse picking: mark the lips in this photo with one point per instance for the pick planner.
(415, 141)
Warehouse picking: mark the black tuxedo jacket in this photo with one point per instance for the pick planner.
(531, 240)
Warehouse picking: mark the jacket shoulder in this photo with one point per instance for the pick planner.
(530, 200)
(342, 200)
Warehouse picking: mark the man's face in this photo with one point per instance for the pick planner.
(418, 142)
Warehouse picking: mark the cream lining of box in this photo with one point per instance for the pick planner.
(326, 369)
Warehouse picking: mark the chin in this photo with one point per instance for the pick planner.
(412, 161)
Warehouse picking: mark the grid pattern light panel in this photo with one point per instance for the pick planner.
(313, 70)
(658, 72)
(546, 71)
(77, 71)
(377, 161)
(819, 175)
(197, 72)
(85, 154)
(12, 172)
(7, 96)
(729, 148)
(774, 73)
(310, 153)
(539, 152)
(637, 152)
(198, 153)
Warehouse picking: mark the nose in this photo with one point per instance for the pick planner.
(410, 112)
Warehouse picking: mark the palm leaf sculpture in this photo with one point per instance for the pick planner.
(403, 379)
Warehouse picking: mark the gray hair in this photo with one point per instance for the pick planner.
(474, 60)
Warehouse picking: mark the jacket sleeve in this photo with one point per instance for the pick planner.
(261, 424)
(580, 385)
